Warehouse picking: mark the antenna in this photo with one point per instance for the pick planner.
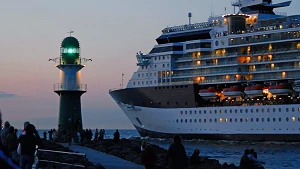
(70, 32)
(239, 6)
(190, 17)
(211, 8)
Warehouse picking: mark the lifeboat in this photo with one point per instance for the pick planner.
(209, 93)
(233, 91)
(256, 90)
(280, 89)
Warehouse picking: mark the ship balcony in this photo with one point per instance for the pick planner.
(80, 62)
(205, 65)
(69, 87)
(143, 60)
(285, 68)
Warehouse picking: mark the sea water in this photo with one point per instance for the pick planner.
(276, 155)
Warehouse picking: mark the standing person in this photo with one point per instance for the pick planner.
(148, 157)
(50, 134)
(12, 142)
(176, 155)
(4, 133)
(25, 124)
(245, 162)
(54, 134)
(103, 135)
(96, 135)
(195, 158)
(253, 157)
(116, 136)
(45, 135)
(27, 145)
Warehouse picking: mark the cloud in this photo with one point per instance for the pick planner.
(6, 95)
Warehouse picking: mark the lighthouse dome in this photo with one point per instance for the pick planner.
(70, 42)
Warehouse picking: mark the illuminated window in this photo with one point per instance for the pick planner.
(221, 120)
(293, 119)
(226, 120)
(246, 119)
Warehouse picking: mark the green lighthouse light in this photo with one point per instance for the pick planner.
(71, 51)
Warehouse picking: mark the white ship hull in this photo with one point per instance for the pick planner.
(275, 123)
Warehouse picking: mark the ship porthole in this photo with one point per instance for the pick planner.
(287, 119)
(274, 110)
(293, 109)
(287, 109)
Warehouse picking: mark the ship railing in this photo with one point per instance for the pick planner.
(211, 73)
(190, 27)
(206, 65)
(274, 68)
(57, 162)
(176, 83)
(71, 87)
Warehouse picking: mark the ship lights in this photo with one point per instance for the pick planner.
(293, 119)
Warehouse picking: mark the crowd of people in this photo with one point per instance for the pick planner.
(18, 151)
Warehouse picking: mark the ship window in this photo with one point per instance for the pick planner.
(204, 120)
(186, 103)
(168, 65)
(230, 111)
(195, 120)
(168, 103)
(185, 112)
(154, 81)
(287, 119)
(257, 110)
(195, 112)
(298, 118)
(287, 109)
(274, 110)
(293, 109)
(168, 57)
(146, 82)
(177, 120)
(210, 111)
(279, 109)
(210, 120)
(225, 110)
(220, 111)
(191, 120)
(279, 119)
(230, 120)
(199, 111)
(146, 67)
(143, 75)
(235, 110)
(241, 120)
(251, 110)
(181, 121)
(142, 67)
(138, 83)
(159, 103)
(257, 119)
(246, 110)
(147, 74)
(181, 112)
(268, 119)
(262, 110)
(268, 110)
(204, 111)
(138, 75)
(186, 120)
(133, 83)
(163, 57)
(246, 119)
(190, 112)
(159, 58)
(150, 82)
(241, 110)
(293, 119)
(235, 119)
(216, 111)
(274, 119)
(262, 119)
(142, 82)
(251, 119)
(299, 109)
(216, 120)
(163, 65)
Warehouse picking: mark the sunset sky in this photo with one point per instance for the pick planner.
(110, 33)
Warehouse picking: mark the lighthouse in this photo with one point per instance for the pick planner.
(70, 89)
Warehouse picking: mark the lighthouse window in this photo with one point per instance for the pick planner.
(287, 109)
(293, 109)
(274, 119)
(287, 119)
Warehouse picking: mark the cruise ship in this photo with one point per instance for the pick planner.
(234, 77)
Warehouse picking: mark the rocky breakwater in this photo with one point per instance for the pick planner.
(61, 158)
(131, 150)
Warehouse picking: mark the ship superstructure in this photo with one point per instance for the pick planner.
(233, 77)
